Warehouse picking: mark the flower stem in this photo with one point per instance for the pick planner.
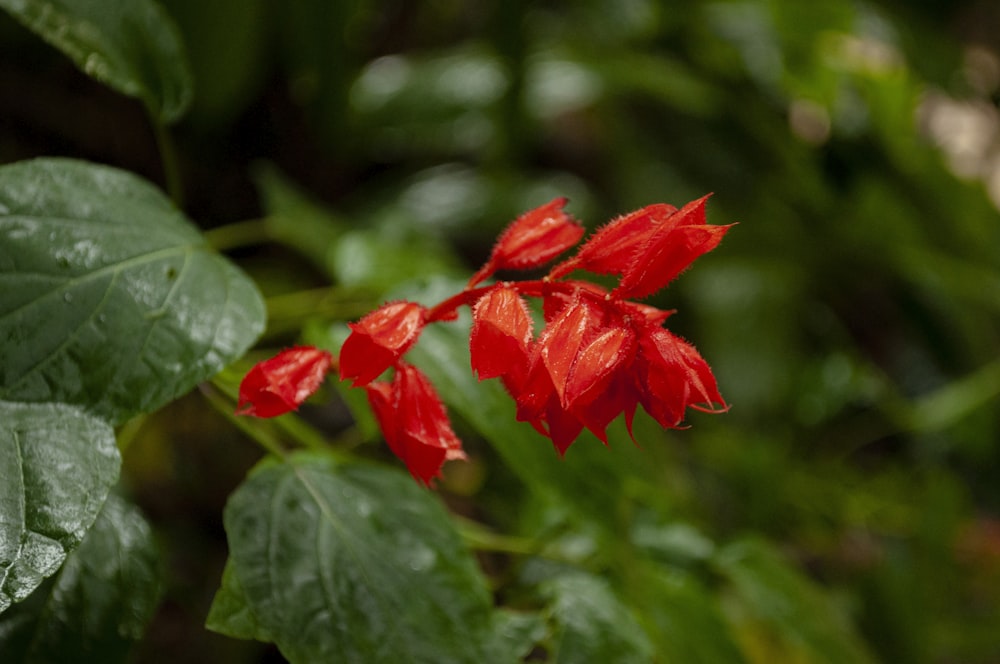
(225, 407)
(238, 234)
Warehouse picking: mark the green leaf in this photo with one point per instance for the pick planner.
(357, 564)
(781, 615)
(100, 602)
(133, 47)
(685, 621)
(591, 624)
(231, 614)
(57, 465)
(109, 297)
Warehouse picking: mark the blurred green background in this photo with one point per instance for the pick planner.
(852, 317)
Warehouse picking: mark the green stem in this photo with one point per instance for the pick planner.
(239, 234)
(479, 538)
(225, 407)
(168, 158)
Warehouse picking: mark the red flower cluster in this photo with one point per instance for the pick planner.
(598, 355)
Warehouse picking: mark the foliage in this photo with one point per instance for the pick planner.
(844, 509)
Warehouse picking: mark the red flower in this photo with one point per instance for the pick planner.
(279, 385)
(599, 357)
(379, 340)
(533, 239)
(414, 422)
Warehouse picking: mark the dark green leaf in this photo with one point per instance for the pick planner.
(131, 46)
(57, 465)
(591, 624)
(357, 564)
(109, 298)
(99, 603)
(782, 612)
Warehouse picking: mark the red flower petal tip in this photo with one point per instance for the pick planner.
(280, 384)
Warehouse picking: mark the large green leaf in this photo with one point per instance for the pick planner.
(57, 465)
(355, 564)
(99, 603)
(131, 46)
(109, 298)
(591, 624)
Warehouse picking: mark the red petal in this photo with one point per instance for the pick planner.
(597, 364)
(620, 396)
(672, 376)
(563, 427)
(561, 341)
(382, 399)
(280, 384)
(378, 340)
(533, 239)
(501, 332)
(426, 438)
(612, 247)
(669, 251)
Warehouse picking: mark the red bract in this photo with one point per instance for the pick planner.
(501, 333)
(379, 340)
(669, 250)
(414, 422)
(280, 384)
(611, 249)
(535, 238)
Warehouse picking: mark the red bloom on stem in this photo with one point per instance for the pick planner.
(280, 384)
(533, 239)
(379, 340)
(414, 422)
(598, 356)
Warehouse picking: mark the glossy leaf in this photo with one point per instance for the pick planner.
(109, 297)
(57, 465)
(591, 624)
(133, 46)
(356, 563)
(100, 602)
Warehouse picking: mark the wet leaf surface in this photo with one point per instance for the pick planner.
(109, 297)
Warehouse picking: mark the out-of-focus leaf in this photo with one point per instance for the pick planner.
(684, 621)
(591, 624)
(228, 66)
(294, 218)
(99, 603)
(57, 465)
(355, 563)
(109, 297)
(780, 615)
(517, 632)
(133, 46)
